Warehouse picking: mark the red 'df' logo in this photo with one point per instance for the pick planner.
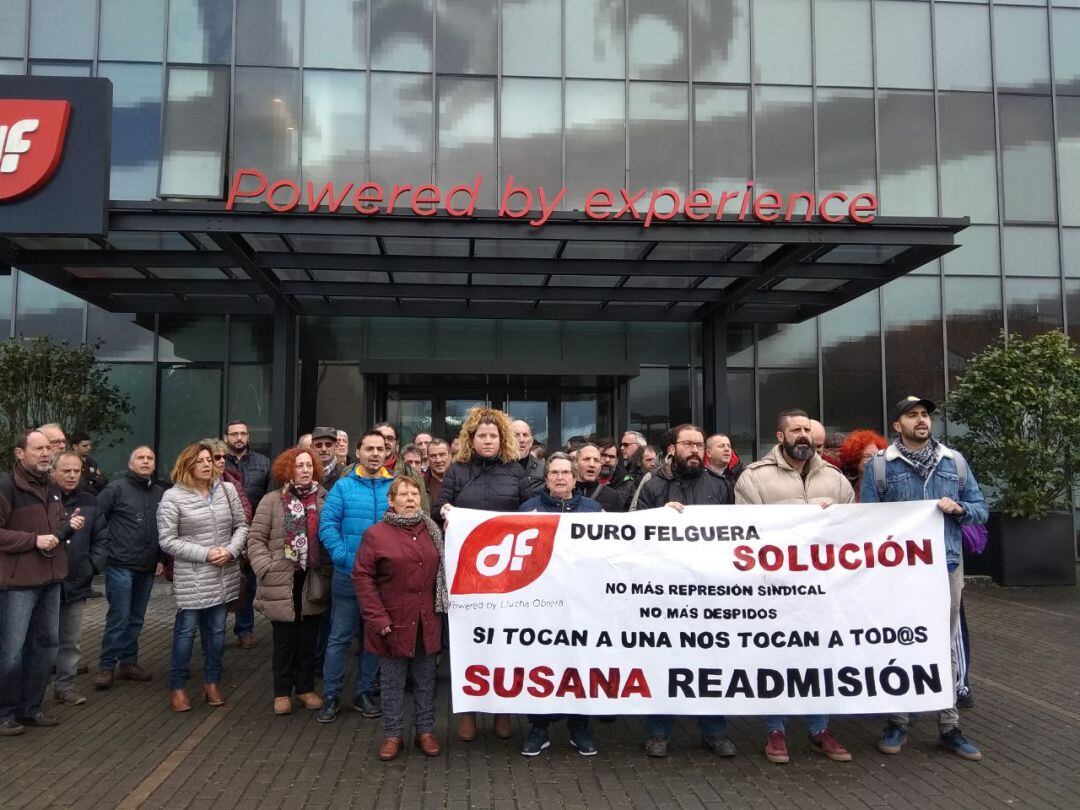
(505, 553)
(31, 142)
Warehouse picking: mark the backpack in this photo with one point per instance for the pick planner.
(878, 464)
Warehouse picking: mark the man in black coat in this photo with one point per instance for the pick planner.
(587, 472)
(530, 464)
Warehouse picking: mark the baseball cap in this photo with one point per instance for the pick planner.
(907, 403)
(324, 433)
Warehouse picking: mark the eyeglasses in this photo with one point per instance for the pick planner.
(557, 473)
(691, 445)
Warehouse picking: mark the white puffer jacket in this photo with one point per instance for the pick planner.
(189, 525)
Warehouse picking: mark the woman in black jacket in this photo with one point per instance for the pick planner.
(486, 475)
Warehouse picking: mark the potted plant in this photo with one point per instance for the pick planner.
(1017, 407)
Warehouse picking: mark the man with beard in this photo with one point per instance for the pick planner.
(793, 472)
(324, 443)
(533, 467)
(587, 471)
(686, 482)
(609, 459)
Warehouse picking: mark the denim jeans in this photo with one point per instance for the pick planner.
(29, 631)
(345, 623)
(662, 725)
(128, 593)
(814, 722)
(210, 622)
(245, 616)
(67, 656)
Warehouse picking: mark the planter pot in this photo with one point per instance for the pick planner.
(1028, 552)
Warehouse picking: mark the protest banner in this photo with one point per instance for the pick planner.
(718, 610)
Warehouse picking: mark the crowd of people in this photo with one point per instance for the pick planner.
(331, 547)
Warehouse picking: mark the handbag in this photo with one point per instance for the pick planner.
(975, 538)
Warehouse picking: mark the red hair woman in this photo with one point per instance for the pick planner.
(856, 452)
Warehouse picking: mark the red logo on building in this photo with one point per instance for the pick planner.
(505, 554)
(31, 143)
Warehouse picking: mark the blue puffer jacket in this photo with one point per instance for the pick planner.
(355, 503)
(903, 483)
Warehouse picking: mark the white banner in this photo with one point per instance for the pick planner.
(719, 610)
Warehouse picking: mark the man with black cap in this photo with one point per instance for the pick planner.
(917, 467)
(324, 443)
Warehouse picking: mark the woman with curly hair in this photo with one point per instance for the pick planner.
(485, 475)
(855, 453)
(293, 573)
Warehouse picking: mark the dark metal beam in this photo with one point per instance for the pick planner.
(244, 258)
(771, 268)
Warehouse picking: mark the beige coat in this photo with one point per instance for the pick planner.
(772, 480)
(266, 553)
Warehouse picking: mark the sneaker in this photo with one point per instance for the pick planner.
(966, 700)
(954, 740)
(536, 742)
(776, 748)
(583, 741)
(721, 746)
(827, 744)
(656, 746)
(70, 697)
(9, 728)
(329, 710)
(892, 739)
(366, 705)
(39, 719)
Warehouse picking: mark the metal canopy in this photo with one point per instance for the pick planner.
(190, 257)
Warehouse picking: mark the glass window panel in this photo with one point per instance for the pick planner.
(123, 336)
(528, 340)
(200, 31)
(658, 399)
(1070, 239)
(196, 120)
(401, 34)
(1072, 305)
(137, 381)
(60, 68)
(45, 310)
(845, 139)
(266, 119)
(740, 345)
(595, 139)
(251, 339)
(190, 409)
(657, 39)
(968, 156)
(907, 157)
(531, 33)
(963, 62)
(339, 387)
(780, 390)
(740, 429)
(13, 28)
(595, 38)
(335, 126)
(11, 67)
(842, 43)
(62, 29)
(782, 41)
(531, 137)
(784, 134)
(911, 309)
(465, 338)
(1031, 252)
(720, 36)
(411, 416)
(902, 44)
(659, 137)
(136, 129)
(1025, 125)
(1021, 49)
(595, 340)
(977, 254)
(388, 341)
(659, 342)
(467, 135)
(467, 32)
(851, 364)
(1033, 305)
(972, 318)
(1068, 121)
(1065, 30)
(578, 415)
(788, 345)
(721, 138)
(190, 338)
(401, 135)
(249, 399)
(132, 29)
(335, 33)
(268, 33)
(6, 284)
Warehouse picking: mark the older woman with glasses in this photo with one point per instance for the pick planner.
(201, 524)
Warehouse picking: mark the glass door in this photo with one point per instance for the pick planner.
(534, 412)
(455, 410)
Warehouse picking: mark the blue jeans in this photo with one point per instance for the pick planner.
(345, 623)
(128, 593)
(210, 622)
(29, 639)
(661, 725)
(814, 722)
(245, 616)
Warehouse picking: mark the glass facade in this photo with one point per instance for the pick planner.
(943, 108)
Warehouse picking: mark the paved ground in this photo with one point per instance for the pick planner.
(125, 748)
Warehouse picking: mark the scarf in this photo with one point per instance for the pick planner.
(400, 521)
(923, 460)
(301, 524)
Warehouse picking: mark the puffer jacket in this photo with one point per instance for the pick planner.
(189, 525)
(266, 553)
(664, 486)
(484, 484)
(353, 505)
(773, 481)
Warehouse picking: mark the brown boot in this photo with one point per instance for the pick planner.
(212, 693)
(178, 701)
(309, 700)
(428, 745)
(104, 679)
(389, 748)
(466, 729)
(132, 672)
(282, 705)
(246, 642)
(503, 729)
